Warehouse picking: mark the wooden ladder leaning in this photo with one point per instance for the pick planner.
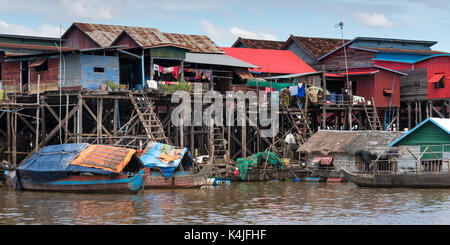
(149, 120)
(372, 116)
(299, 120)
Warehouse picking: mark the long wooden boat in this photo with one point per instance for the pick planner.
(399, 180)
(82, 168)
(179, 179)
(95, 183)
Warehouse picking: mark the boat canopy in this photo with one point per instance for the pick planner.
(59, 161)
(166, 157)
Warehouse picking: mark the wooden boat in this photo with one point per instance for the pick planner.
(400, 180)
(95, 183)
(179, 179)
(82, 168)
(172, 167)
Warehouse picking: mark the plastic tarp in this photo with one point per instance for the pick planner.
(104, 157)
(165, 157)
(258, 159)
(267, 84)
(54, 162)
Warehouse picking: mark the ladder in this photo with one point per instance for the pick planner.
(372, 116)
(149, 120)
(219, 143)
(299, 120)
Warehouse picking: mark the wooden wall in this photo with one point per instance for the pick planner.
(355, 58)
(11, 71)
(77, 39)
(414, 86)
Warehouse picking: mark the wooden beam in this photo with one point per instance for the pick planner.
(27, 123)
(60, 124)
(435, 110)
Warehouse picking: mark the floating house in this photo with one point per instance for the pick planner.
(426, 147)
(352, 150)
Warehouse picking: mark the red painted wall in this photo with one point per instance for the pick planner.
(10, 71)
(440, 64)
(393, 65)
(386, 80)
(49, 76)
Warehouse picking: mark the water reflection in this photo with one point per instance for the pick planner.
(238, 203)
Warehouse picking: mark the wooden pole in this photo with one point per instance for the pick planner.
(9, 132)
(14, 138)
(36, 144)
(409, 115)
(66, 131)
(99, 119)
(115, 122)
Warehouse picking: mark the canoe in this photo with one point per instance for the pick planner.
(82, 168)
(400, 180)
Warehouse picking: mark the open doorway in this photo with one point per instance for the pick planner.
(25, 76)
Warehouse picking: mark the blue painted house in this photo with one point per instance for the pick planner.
(84, 71)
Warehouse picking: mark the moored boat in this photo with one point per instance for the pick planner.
(399, 180)
(82, 168)
(172, 167)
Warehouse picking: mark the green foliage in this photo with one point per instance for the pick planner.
(112, 85)
(183, 86)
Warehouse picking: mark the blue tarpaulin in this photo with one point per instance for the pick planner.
(166, 157)
(53, 162)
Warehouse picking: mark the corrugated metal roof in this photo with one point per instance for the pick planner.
(216, 59)
(28, 47)
(270, 60)
(258, 44)
(397, 50)
(443, 123)
(105, 35)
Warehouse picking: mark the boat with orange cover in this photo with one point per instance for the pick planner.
(82, 168)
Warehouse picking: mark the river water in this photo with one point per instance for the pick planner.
(266, 203)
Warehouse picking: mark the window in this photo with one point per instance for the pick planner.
(99, 69)
(440, 83)
(43, 67)
(417, 84)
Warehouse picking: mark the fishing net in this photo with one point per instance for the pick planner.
(258, 159)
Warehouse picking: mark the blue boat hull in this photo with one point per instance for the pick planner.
(94, 184)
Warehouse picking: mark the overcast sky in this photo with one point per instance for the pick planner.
(225, 20)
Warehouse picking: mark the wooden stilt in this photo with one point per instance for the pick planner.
(409, 115)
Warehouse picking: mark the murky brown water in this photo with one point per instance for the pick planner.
(239, 203)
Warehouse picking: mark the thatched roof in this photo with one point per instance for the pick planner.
(351, 142)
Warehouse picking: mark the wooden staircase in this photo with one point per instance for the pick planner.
(372, 116)
(148, 118)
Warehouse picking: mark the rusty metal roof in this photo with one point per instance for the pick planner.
(105, 35)
(18, 47)
(258, 44)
